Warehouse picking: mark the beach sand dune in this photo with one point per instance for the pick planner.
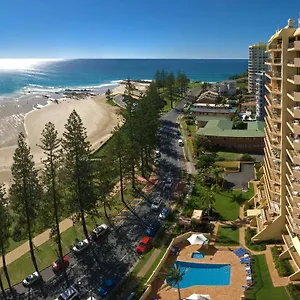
(97, 116)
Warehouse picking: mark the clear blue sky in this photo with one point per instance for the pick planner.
(138, 28)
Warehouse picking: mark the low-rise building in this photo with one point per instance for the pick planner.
(248, 106)
(223, 136)
(212, 110)
(226, 88)
(208, 97)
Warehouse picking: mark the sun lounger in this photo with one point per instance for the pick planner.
(245, 260)
(248, 268)
(240, 252)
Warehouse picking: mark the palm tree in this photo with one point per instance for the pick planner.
(174, 275)
(216, 173)
(208, 199)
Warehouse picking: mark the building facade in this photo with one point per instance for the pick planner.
(276, 205)
(256, 64)
(260, 96)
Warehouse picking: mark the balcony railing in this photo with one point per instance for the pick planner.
(294, 46)
(275, 47)
(273, 74)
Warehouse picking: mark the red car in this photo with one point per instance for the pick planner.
(59, 265)
(144, 245)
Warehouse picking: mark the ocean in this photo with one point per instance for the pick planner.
(99, 74)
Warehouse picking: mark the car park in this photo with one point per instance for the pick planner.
(99, 231)
(108, 286)
(69, 294)
(32, 279)
(80, 246)
(153, 228)
(156, 204)
(60, 265)
(144, 245)
(163, 213)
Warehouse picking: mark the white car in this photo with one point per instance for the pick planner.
(169, 183)
(99, 231)
(180, 142)
(81, 246)
(31, 279)
(156, 161)
(157, 154)
(69, 294)
(156, 204)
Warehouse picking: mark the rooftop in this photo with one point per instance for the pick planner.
(223, 128)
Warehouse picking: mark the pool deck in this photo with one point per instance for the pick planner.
(213, 255)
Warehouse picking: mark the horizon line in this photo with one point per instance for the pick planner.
(73, 58)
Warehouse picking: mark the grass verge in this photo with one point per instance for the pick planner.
(227, 236)
(263, 287)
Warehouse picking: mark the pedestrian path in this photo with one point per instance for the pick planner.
(37, 241)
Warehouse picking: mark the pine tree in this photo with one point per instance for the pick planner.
(170, 86)
(25, 191)
(51, 145)
(5, 223)
(79, 173)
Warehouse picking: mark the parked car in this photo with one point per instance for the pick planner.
(69, 294)
(156, 161)
(153, 228)
(169, 183)
(32, 279)
(99, 231)
(80, 246)
(180, 142)
(108, 286)
(157, 154)
(144, 245)
(163, 213)
(156, 204)
(60, 265)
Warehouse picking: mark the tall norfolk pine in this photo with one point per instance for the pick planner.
(51, 145)
(25, 191)
(79, 173)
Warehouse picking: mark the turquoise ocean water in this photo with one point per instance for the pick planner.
(98, 74)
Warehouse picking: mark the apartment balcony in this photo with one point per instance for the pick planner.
(294, 95)
(294, 227)
(294, 198)
(295, 126)
(273, 114)
(273, 127)
(273, 101)
(293, 204)
(273, 75)
(296, 142)
(274, 47)
(296, 171)
(294, 46)
(273, 88)
(296, 111)
(294, 156)
(295, 79)
(273, 61)
(294, 62)
(295, 217)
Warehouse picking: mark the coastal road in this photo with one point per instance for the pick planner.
(114, 255)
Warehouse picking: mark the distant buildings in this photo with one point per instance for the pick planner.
(226, 88)
(248, 106)
(256, 64)
(208, 97)
(260, 96)
(222, 135)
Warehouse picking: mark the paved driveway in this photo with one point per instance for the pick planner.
(240, 180)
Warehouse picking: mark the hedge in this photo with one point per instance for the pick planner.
(255, 246)
(282, 266)
(294, 291)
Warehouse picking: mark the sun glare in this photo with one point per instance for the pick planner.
(21, 63)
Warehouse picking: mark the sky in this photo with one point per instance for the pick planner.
(138, 28)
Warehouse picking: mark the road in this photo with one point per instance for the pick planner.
(114, 255)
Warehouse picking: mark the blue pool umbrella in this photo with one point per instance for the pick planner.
(102, 292)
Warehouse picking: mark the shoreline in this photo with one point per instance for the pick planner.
(31, 114)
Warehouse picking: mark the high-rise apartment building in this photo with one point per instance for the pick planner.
(256, 64)
(260, 96)
(276, 211)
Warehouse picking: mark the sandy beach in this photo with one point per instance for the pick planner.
(97, 116)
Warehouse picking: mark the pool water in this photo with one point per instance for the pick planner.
(197, 255)
(203, 274)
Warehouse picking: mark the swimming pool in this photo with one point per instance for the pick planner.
(203, 274)
(197, 255)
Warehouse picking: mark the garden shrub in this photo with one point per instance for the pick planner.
(246, 157)
(282, 266)
(294, 291)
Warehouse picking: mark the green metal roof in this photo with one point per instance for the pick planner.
(224, 128)
(209, 118)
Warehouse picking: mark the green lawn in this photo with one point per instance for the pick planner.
(194, 84)
(228, 202)
(229, 155)
(227, 236)
(263, 288)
